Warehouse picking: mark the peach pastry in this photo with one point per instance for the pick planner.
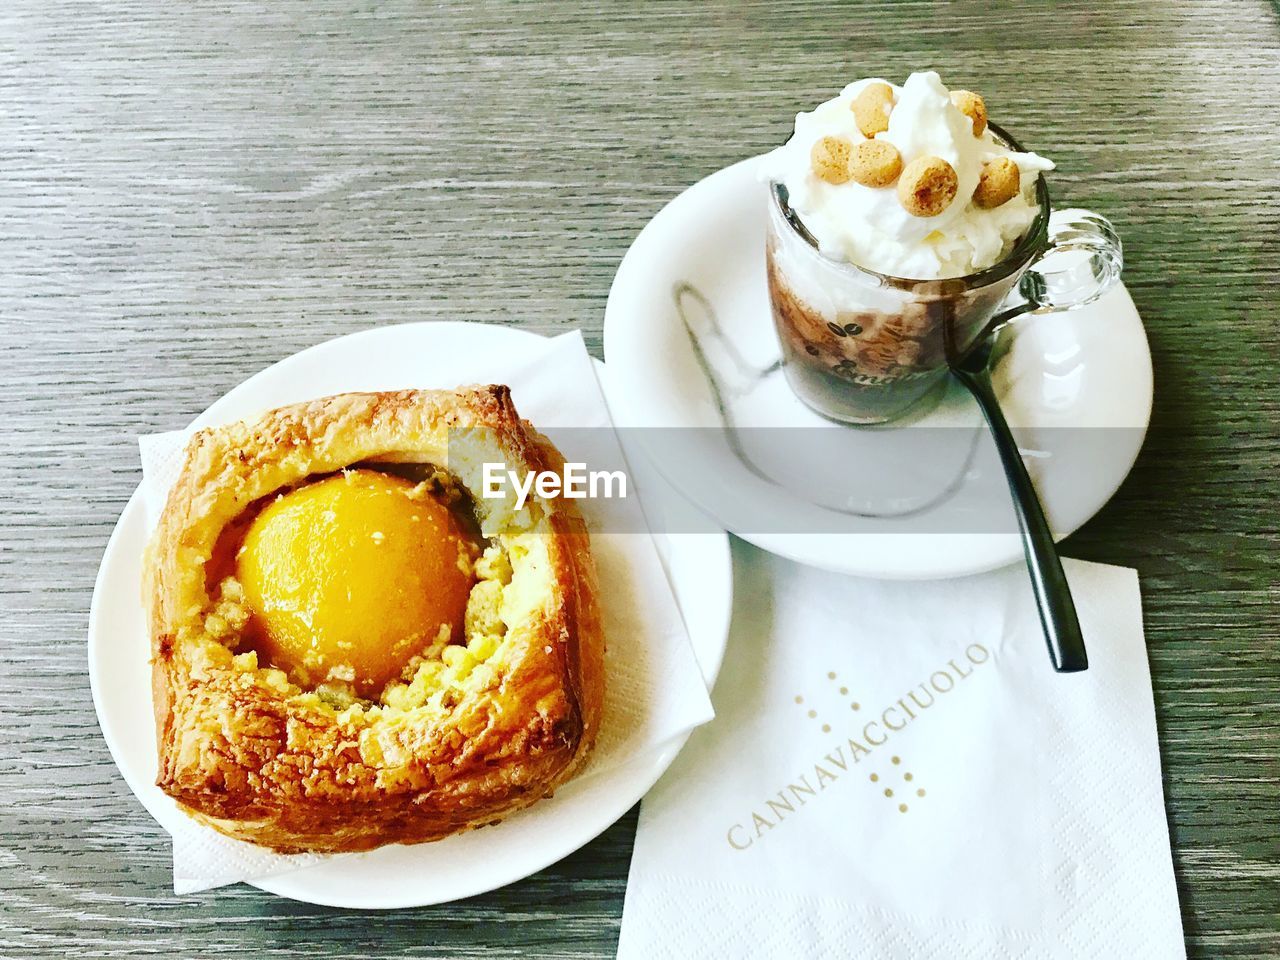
(351, 646)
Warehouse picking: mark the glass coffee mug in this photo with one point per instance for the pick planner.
(862, 347)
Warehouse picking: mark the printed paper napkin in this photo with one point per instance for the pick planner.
(655, 689)
(895, 771)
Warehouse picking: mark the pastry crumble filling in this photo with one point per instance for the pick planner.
(444, 670)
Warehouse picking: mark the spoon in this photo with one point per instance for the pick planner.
(1048, 581)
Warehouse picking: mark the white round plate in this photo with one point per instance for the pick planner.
(423, 355)
(704, 254)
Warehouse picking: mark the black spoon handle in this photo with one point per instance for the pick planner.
(1053, 593)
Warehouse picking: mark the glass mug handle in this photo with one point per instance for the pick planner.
(1081, 262)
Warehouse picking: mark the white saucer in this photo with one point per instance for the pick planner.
(699, 265)
(426, 355)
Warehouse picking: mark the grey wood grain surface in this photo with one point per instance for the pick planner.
(189, 192)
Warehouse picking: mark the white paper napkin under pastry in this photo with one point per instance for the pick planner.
(655, 690)
(894, 771)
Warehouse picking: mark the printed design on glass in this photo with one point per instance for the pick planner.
(848, 330)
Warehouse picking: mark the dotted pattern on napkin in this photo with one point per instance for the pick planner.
(896, 772)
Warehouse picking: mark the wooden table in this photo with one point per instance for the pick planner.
(189, 193)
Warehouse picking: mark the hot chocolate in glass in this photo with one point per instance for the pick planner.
(900, 223)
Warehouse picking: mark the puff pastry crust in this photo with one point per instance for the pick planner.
(245, 750)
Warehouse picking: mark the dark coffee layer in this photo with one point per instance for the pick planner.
(868, 366)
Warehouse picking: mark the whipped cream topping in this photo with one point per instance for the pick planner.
(868, 226)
